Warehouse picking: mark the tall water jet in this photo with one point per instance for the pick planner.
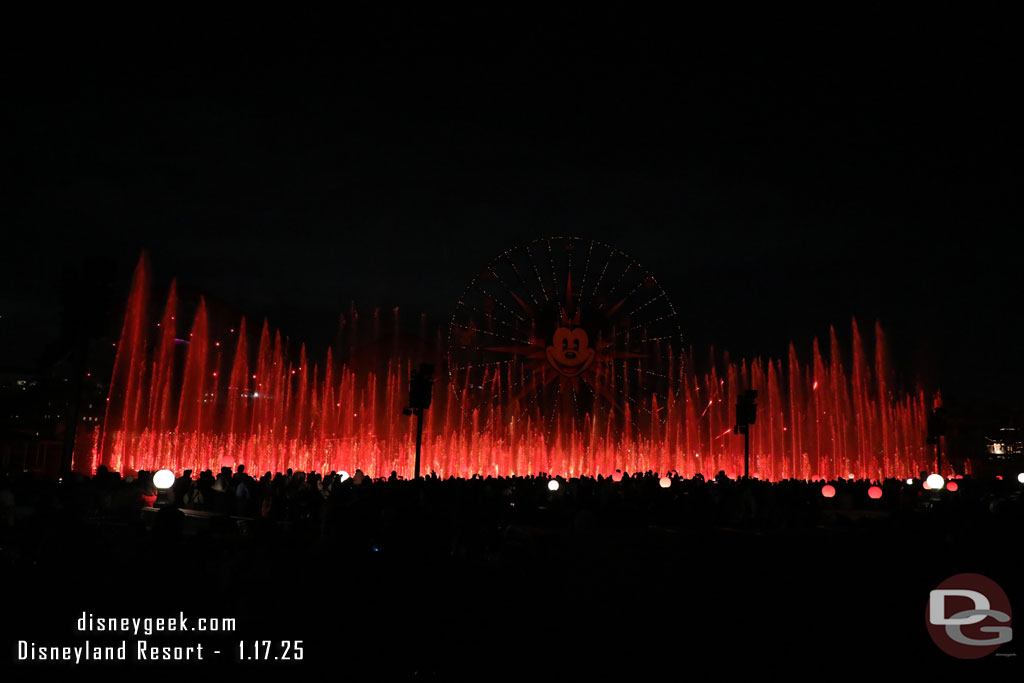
(823, 417)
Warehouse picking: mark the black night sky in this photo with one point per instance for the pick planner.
(777, 178)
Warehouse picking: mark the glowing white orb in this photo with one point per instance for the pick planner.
(163, 479)
(935, 481)
(910, 482)
(553, 485)
(1020, 477)
(665, 482)
(343, 475)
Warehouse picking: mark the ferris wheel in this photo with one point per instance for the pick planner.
(564, 327)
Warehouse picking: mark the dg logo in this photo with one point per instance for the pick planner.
(968, 616)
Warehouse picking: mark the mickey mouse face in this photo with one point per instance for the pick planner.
(569, 352)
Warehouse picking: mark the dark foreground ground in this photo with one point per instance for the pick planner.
(494, 580)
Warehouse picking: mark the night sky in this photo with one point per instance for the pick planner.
(777, 178)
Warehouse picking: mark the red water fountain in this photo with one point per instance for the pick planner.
(182, 397)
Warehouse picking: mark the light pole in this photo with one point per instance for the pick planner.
(421, 385)
(937, 430)
(746, 415)
(163, 480)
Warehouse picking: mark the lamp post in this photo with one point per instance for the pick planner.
(746, 415)
(163, 480)
(937, 430)
(421, 385)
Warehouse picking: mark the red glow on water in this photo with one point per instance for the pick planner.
(818, 418)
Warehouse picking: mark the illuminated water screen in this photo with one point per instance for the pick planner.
(563, 356)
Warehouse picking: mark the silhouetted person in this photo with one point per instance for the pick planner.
(170, 522)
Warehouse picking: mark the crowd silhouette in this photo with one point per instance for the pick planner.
(335, 504)
(437, 577)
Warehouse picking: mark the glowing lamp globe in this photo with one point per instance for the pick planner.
(875, 492)
(163, 479)
(935, 481)
(553, 485)
(617, 476)
(828, 490)
(952, 486)
(1020, 477)
(344, 476)
(910, 482)
(665, 482)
